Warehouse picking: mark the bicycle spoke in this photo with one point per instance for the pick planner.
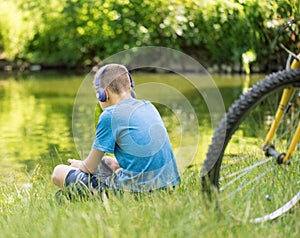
(256, 179)
(246, 169)
(256, 184)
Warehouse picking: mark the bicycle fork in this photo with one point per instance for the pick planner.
(282, 158)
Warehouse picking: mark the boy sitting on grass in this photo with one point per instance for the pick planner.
(130, 129)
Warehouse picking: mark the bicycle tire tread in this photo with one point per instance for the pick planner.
(230, 121)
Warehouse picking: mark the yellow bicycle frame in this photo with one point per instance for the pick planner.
(287, 93)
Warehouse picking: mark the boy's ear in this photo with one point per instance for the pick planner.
(107, 92)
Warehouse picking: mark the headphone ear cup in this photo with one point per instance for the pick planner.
(101, 95)
(133, 94)
(131, 80)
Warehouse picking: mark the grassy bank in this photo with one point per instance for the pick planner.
(33, 212)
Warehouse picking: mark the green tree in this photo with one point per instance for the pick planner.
(80, 32)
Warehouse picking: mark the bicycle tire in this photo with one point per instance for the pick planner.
(251, 177)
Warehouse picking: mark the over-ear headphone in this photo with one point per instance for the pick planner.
(100, 92)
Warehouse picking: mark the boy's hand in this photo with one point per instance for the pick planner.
(111, 162)
(75, 163)
(80, 164)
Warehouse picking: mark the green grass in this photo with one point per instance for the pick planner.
(184, 213)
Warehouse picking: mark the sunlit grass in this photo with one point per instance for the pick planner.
(250, 177)
(33, 212)
(30, 210)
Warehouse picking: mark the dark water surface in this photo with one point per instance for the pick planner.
(36, 118)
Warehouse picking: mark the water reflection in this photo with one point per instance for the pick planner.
(36, 120)
(35, 123)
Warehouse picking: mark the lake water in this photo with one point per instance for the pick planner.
(45, 118)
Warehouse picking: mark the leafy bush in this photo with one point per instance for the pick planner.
(80, 32)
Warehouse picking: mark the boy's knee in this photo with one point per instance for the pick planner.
(59, 174)
(55, 175)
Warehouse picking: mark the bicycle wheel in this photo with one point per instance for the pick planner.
(250, 185)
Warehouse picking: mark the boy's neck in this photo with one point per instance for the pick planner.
(117, 98)
(114, 99)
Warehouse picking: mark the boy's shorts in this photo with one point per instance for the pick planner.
(100, 180)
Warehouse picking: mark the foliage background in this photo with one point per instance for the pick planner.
(72, 33)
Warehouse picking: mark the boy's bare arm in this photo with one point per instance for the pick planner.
(90, 164)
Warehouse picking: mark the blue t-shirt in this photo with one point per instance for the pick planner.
(135, 133)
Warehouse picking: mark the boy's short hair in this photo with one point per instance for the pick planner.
(116, 78)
